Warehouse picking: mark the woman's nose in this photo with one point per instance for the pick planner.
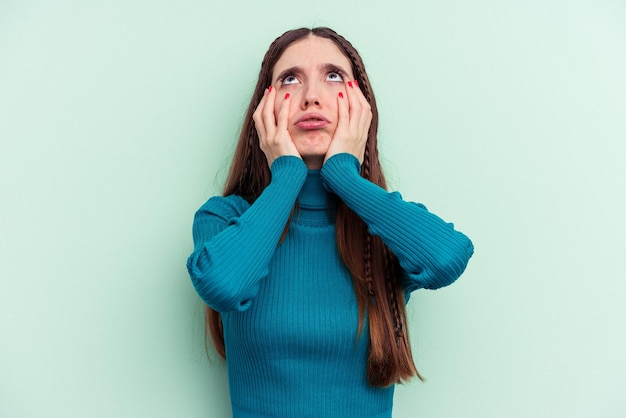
(311, 96)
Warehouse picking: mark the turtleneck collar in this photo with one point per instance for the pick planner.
(316, 206)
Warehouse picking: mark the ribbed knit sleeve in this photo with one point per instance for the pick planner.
(234, 241)
(430, 251)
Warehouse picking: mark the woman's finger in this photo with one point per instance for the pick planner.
(257, 117)
(343, 122)
(283, 114)
(268, 113)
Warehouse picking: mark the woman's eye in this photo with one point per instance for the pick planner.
(334, 77)
(290, 79)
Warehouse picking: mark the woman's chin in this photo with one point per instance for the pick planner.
(312, 151)
(313, 161)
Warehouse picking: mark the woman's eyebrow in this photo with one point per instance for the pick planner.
(333, 67)
(290, 70)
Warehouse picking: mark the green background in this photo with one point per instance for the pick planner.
(118, 119)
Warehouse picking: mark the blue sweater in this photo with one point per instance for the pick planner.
(289, 310)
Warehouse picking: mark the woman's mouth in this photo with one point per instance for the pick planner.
(312, 121)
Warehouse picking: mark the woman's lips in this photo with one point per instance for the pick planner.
(312, 121)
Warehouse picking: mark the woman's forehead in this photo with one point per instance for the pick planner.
(312, 52)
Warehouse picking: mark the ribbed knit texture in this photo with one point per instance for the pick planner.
(289, 310)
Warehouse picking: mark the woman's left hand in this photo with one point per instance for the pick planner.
(355, 118)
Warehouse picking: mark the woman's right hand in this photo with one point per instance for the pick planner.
(274, 138)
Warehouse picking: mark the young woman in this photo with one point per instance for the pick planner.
(306, 261)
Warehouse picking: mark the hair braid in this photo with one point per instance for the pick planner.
(391, 281)
(367, 265)
(368, 237)
(392, 362)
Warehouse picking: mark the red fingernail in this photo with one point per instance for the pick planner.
(340, 95)
(287, 96)
(356, 83)
(270, 89)
(349, 83)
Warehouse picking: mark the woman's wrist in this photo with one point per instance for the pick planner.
(289, 167)
(339, 167)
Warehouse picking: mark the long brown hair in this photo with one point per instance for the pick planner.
(374, 269)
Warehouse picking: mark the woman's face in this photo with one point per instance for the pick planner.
(313, 71)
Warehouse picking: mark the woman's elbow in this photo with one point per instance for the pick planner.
(450, 266)
(221, 293)
(222, 299)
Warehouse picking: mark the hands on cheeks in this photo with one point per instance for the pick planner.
(274, 138)
(350, 136)
(355, 118)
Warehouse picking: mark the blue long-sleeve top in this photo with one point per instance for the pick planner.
(289, 311)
